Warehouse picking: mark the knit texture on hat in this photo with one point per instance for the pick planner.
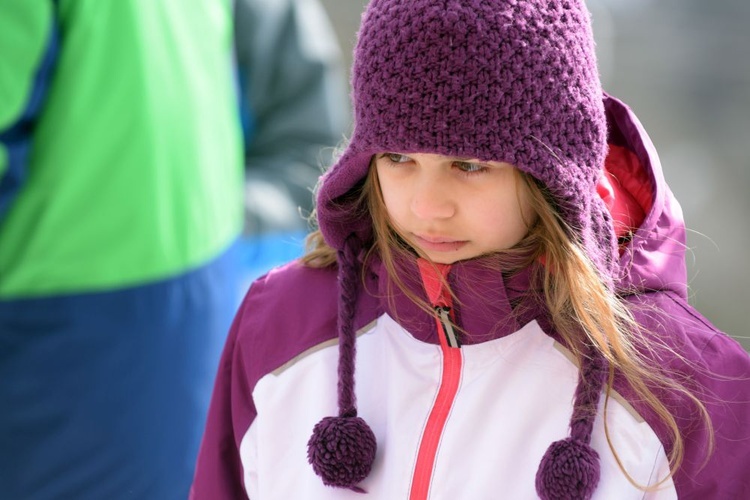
(503, 80)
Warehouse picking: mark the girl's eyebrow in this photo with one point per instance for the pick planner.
(467, 159)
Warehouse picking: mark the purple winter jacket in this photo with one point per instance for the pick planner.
(514, 383)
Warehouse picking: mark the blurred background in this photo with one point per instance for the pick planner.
(683, 66)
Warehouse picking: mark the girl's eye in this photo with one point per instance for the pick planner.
(397, 158)
(468, 167)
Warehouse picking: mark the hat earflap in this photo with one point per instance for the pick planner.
(342, 449)
(569, 470)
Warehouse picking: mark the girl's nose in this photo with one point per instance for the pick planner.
(432, 199)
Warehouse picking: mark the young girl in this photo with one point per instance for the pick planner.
(498, 245)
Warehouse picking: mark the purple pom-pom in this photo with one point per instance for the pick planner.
(341, 450)
(568, 471)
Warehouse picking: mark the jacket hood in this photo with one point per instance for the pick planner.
(654, 256)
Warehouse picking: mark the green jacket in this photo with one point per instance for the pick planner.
(120, 155)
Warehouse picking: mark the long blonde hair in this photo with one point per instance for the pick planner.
(583, 310)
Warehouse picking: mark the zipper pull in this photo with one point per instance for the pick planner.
(445, 321)
(434, 277)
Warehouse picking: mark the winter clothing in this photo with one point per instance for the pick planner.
(121, 199)
(502, 80)
(503, 396)
(120, 206)
(295, 110)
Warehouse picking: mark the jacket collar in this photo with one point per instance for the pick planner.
(488, 303)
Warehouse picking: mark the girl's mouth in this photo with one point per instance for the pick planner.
(438, 243)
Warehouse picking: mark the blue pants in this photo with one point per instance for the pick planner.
(104, 395)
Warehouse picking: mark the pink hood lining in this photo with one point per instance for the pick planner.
(626, 190)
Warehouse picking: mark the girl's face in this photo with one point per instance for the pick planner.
(453, 208)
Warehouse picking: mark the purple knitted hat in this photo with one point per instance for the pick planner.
(504, 80)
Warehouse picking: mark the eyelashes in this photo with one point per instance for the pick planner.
(467, 168)
(470, 168)
(395, 158)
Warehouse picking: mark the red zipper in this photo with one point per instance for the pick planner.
(449, 381)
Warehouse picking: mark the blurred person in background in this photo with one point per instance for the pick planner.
(120, 210)
(294, 110)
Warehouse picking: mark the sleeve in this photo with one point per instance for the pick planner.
(219, 473)
(726, 394)
(293, 92)
(685, 346)
(29, 46)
